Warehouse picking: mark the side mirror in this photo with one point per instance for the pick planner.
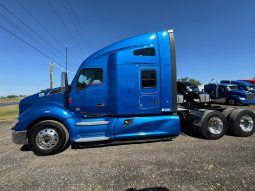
(64, 81)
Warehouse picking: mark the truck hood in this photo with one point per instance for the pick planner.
(241, 93)
(42, 98)
(193, 95)
(196, 94)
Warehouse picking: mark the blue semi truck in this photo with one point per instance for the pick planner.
(124, 92)
(229, 94)
(242, 85)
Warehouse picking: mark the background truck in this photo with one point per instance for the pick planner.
(242, 85)
(229, 94)
(251, 81)
(192, 95)
(124, 92)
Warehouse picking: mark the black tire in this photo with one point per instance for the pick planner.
(48, 127)
(237, 127)
(203, 126)
(231, 102)
(228, 111)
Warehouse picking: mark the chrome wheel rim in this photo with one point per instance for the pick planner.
(47, 139)
(215, 125)
(246, 123)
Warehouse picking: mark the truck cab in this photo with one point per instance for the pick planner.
(242, 85)
(126, 91)
(229, 94)
(192, 95)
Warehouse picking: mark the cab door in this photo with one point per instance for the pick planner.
(222, 92)
(89, 93)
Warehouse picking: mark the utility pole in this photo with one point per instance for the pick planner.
(51, 75)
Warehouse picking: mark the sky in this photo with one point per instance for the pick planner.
(214, 38)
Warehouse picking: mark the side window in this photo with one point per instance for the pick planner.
(221, 90)
(88, 77)
(145, 52)
(148, 78)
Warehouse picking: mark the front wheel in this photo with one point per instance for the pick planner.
(231, 102)
(48, 137)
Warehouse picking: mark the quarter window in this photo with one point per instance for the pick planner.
(148, 78)
(145, 52)
(88, 77)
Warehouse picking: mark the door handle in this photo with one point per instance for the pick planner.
(99, 105)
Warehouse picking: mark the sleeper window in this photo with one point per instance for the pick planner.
(90, 77)
(148, 78)
(145, 52)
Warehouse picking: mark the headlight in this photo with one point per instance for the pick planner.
(242, 98)
(196, 100)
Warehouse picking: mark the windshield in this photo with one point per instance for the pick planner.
(229, 88)
(193, 88)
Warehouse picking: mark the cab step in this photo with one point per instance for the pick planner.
(91, 139)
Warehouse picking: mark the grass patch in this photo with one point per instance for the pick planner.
(4, 100)
(9, 113)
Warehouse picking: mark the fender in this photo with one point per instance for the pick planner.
(234, 97)
(47, 110)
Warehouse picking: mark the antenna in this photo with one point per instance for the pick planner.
(66, 58)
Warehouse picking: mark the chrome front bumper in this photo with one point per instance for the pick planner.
(19, 137)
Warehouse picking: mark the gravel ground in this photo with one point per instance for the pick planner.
(185, 163)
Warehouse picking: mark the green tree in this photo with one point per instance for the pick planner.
(191, 80)
(12, 96)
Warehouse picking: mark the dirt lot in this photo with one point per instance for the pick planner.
(186, 163)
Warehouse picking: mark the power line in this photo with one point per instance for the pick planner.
(34, 32)
(36, 49)
(63, 23)
(78, 23)
(42, 26)
(12, 23)
(72, 20)
(33, 47)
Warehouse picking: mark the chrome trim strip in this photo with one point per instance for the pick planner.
(19, 137)
(173, 70)
(91, 139)
(88, 123)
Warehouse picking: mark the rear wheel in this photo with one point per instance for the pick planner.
(228, 111)
(48, 137)
(213, 125)
(242, 122)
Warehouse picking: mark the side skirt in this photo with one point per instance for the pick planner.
(125, 141)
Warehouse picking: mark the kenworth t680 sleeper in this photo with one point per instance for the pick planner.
(124, 92)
